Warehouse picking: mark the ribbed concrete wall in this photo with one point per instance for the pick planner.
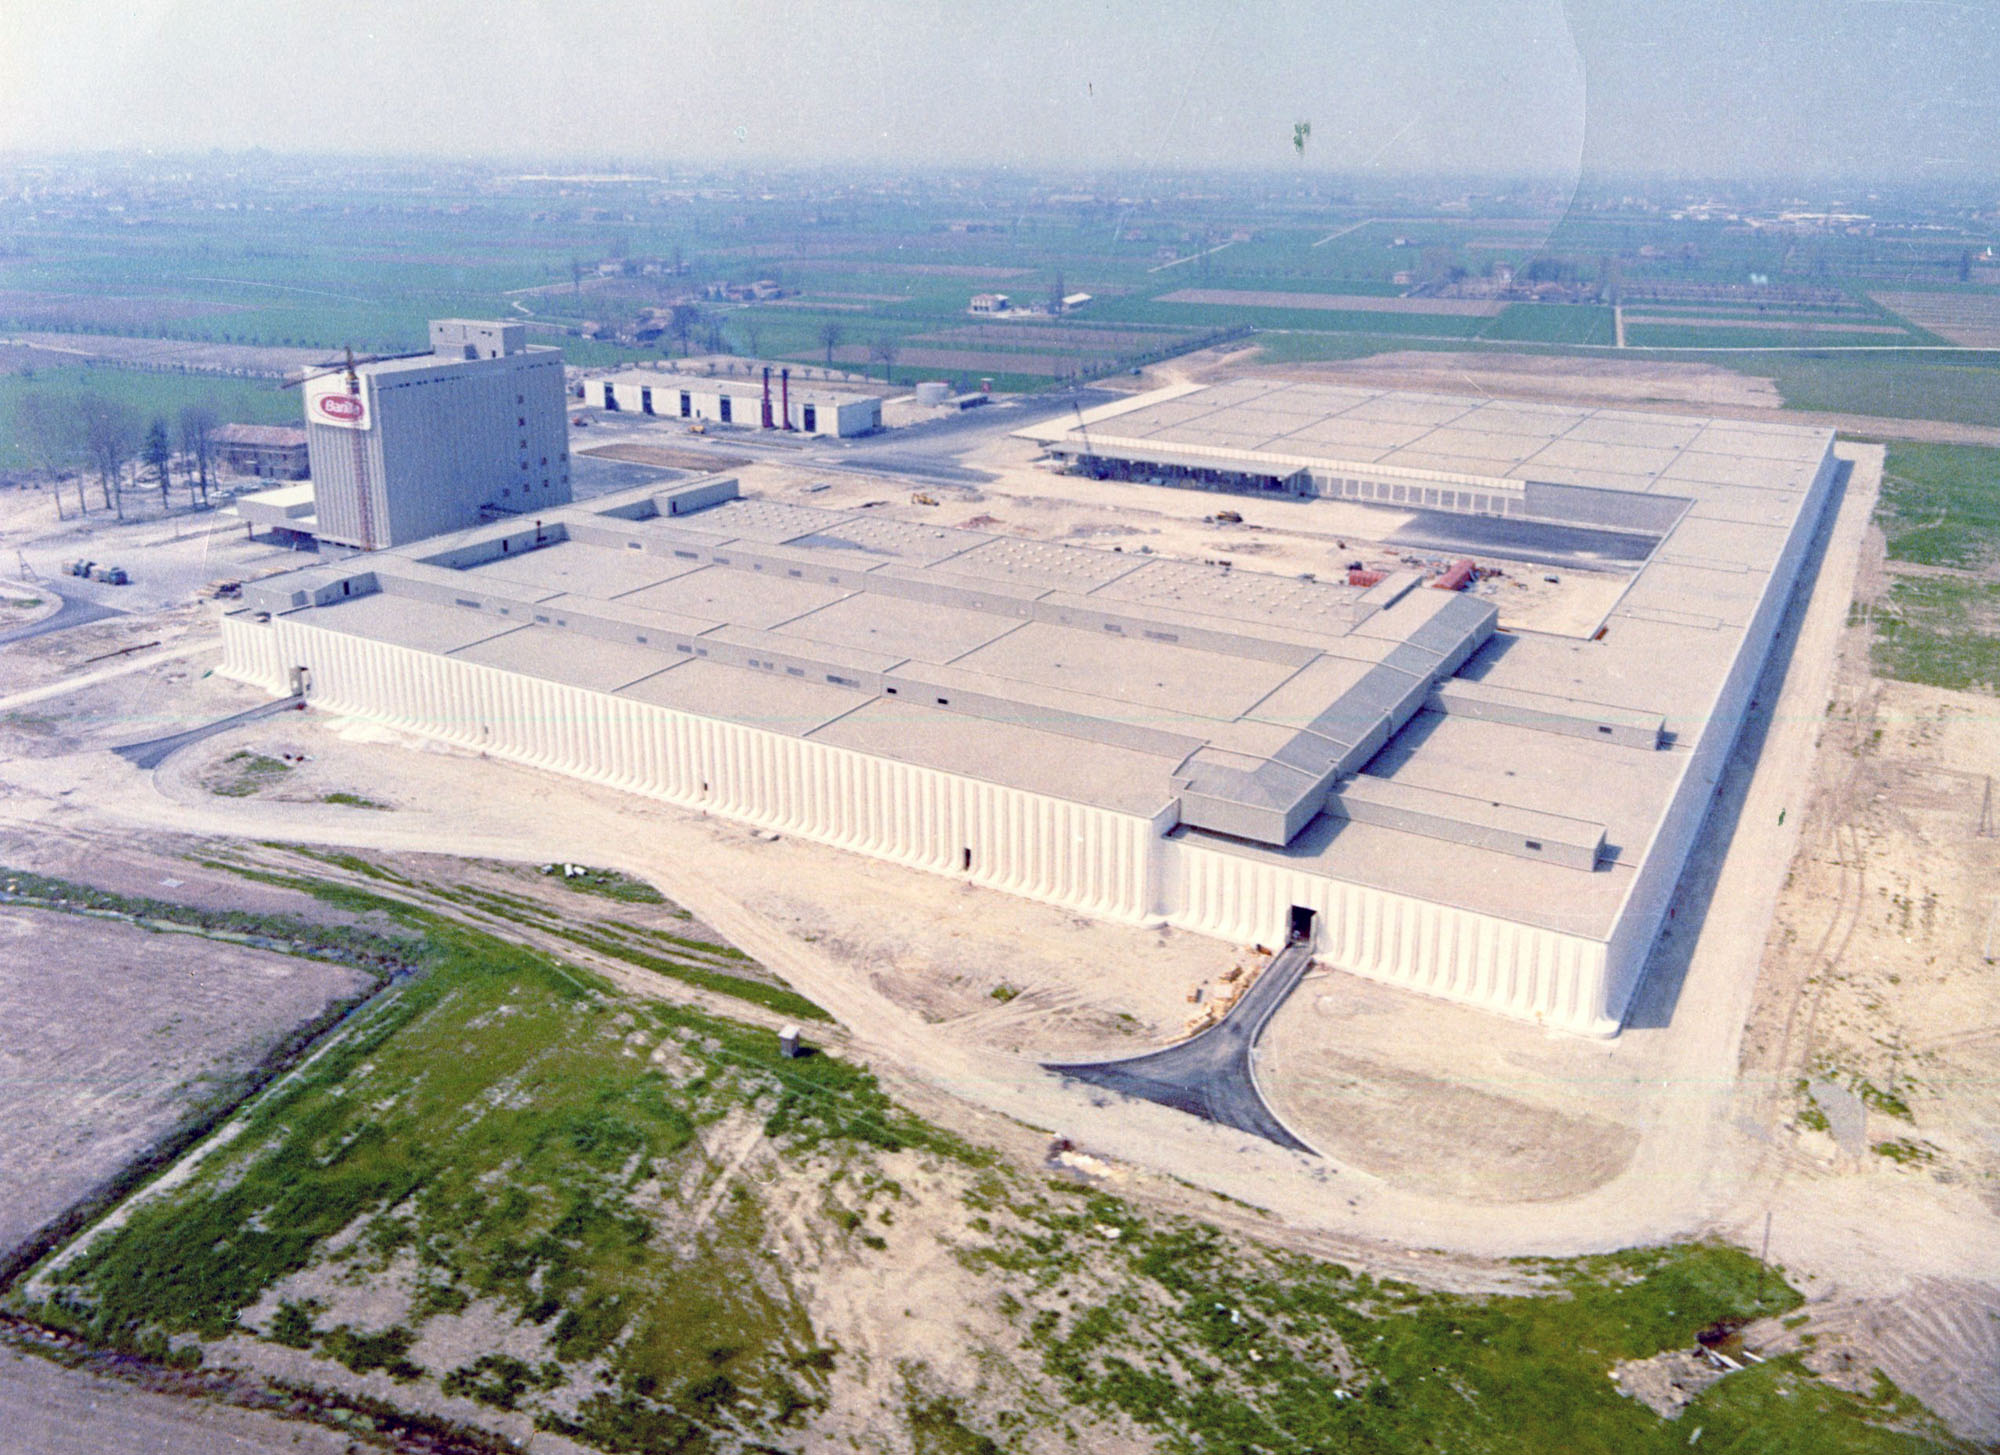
(1478, 959)
(1083, 858)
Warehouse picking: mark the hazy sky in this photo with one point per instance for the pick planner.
(1892, 88)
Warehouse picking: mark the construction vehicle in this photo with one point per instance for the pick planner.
(103, 575)
(697, 428)
(1229, 517)
(225, 590)
(923, 498)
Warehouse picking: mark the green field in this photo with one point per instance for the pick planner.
(507, 1138)
(1940, 505)
(151, 395)
(1552, 323)
(1940, 509)
(308, 255)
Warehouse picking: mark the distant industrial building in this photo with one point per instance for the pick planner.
(269, 451)
(989, 303)
(777, 402)
(1496, 818)
(403, 449)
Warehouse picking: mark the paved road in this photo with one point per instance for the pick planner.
(1210, 1076)
(75, 612)
(152, 753)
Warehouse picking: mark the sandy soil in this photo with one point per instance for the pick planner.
(109, 1034)
(1879, 982)
(56, 1411)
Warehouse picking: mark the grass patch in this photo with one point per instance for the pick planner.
(1942, 632)
(1213, 1344)
(493, 1120)
(1553, 323)
(1959, 388)
(609, 884)
(244, 774)
(344, 799)
(776, 998)
(1940, 504)
(350, 944)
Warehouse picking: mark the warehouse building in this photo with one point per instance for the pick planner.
(270, 451)
(750, 403)
(403, 449)
(1494, 817)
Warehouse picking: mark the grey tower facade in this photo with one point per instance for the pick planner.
(409, 448)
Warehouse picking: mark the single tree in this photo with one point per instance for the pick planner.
(49, 432)
(111, 439)
(830, 334)
(159, 452)
(683, 323)
(198, 424)
(883, 351)
(752, 330)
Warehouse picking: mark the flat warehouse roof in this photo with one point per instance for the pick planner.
(1241, 704)
(1269, 423)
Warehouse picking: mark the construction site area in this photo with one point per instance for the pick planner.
(1801, 1063)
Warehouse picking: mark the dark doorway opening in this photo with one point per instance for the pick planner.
(1305, 923)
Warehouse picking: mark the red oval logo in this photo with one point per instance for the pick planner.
(340, 406)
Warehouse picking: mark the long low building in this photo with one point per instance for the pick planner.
(748, 403)
(1499, 818)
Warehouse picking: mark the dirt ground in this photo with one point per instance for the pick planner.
(1872, 1057)
(110, 1034)
(56, 1411)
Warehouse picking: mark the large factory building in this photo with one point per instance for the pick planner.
(1494, 817)
(403, 449)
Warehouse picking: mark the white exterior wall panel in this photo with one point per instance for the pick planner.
(1477, 959)
(1083, 858)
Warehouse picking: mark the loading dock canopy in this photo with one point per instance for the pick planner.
(1145, 462)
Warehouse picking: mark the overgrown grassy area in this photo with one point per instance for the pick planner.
(1942, 632)
(1218, 1345)
(509, 1139)
(1940, 504)
(1940, 508)
(505, 1129)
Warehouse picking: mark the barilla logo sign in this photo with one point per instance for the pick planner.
(343, 407)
